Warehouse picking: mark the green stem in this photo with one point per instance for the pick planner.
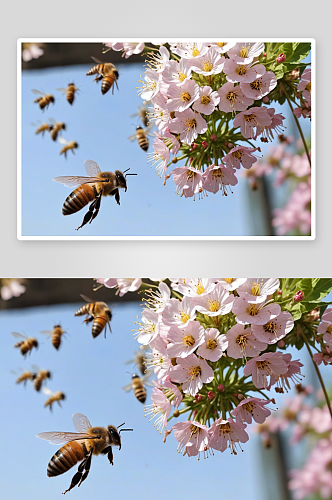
(298, 126)
(327, 399)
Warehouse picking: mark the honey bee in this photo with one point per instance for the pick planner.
(56, 127)
(141, 136)
(44, 127)
(98, 312)
(139, 360)
(80, 446)
(55, 335)
(67, 146)
(25, 376)
(106, 72)
(69, 91)
(53, 397)
(92, 189)
(26, 345)
(143, 113)
(44, 100)
(137, 384)
(40, 377)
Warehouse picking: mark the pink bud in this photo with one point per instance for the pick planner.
(195, 401)
(193, 145)
(215, 412)
(199, 397)
(196, 396)
(279, 292)
(281, 343)
(298, 296)
(221, 387)
(240, 397)
(213, 137)
(235, 394)
(264, 55)
(211, 395)
(281, 58)
(265, 99)
(205, 144)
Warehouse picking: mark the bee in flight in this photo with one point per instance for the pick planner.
(143, 113)
(139, 359)
(106, 72)
(44, 127)
(44, 100)
(142, 136)
(138, 385)
(55, 335)
(92, 189)
(69, 91)
(25, 376)
(79, 446)
(67, 146)
(56, 127)
(98, 312)
(53, 397)
(26, 344)
(41, 375)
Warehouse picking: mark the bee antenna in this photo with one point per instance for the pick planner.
(131, 174)
(118, 427)
(126, 170)
(125, 430)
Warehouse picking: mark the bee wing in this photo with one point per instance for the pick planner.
(19, 335)
(135, 114)
(81, 422)
(62, 437)
(148, 129)
(73, 180)
(52, 121)
(127, 387)
(62, 89)
(48, 391)
(35, 368)
(130, 361)
(84, 297)
(92, 168)
(146, 377)
(37, 92)
(132, 137)
(97, 60)
(46, 332)
(62, 140)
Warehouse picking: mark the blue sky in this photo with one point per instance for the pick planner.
(101, 124)
(92, 372)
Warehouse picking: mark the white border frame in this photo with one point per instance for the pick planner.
(161, 238)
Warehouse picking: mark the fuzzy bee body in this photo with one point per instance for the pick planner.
(44, 127)
(44, 100)
(138, 385)
(106, 72)
(142, 136)
(98, 312)
(70, 92)
(26, 344)
(40, 377)
(24, 377)
(55, 335)
(56, 128)
(54, 397)
(67, 146)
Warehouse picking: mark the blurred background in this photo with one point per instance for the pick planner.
(101, 125)
(91, 373)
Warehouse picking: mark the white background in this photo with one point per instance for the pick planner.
(169, 19)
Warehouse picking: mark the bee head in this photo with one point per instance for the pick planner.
(75, 145)
(116, 74)
(122, 183)
(52, 99)
(64, 127)
(48, 375)
(62, 396)
(114, 436)
(135, 376)
(57, 326)
(35, 343)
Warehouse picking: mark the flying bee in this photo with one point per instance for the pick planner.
(139, 359)
(41, 375)
(98, 312)
(106, 72)
(67, 146)
(143, 113)
(137, 384)
(26, 345)
(141, 136)
(80, 446)
(69, 91)
(44, 127)
(44, 100)
(92, 189)
(56, 128)
(55, 335)
(24, 376)
(53, 397)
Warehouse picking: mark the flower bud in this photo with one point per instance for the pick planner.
(265, 99)
(205, 144)
(199, 397)
(281, 343)
(298, 296)
(211, 395)
(221, 387)
(281, 58)
(240, 397)
(213, 137)
(235, 394)
(193, 145)
(195, 401)
(176, 413)
(174, 160)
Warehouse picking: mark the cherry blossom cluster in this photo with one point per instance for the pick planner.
(306, 422)
(11, 287)
(31, 51)
(214, 350)
(324, 339)
(293, 170)
(304, 94)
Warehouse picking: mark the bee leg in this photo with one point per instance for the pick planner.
(96, 207)
(116, 195)
(88, 320)
(109, 453)
(76, 478)
(59, 404)
(87, 465)
(87, 216)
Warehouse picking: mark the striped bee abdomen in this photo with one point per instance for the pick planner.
(80, 197)
(98, 325)
(107, 83)
(65, 459)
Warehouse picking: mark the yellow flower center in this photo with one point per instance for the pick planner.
(252, 310)
(270, 327)
(205, 99)
(255, 289)
(200, 288)
(188, 340)
(211, 344)
(231, 96)
(221, 44)
(329, 329)
(194, 430)
(238, 154)
(244, 51)
(191, 124)
(262, 365)
(185, 96)
(249, 407)
(256, 85)
(184, 317)
(207, 66)
(217, 173)
(250, 118)
(225, 429)
(241, 70)
(195, 52)
(195, 371)
(190, 174)
(182, 76)
(242, 340)
(308, 87)
(214, 305)
(229, 280)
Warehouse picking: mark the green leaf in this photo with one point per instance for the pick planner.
(301, 51)
(315, 289)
